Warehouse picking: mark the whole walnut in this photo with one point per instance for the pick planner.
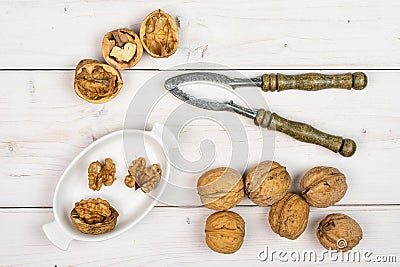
(323, 186)
(289, 216)
(225, 232)
(339, 232)
(220, 188)
(267, 183)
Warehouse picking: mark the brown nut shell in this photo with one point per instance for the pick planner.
(225, 232)
(122, 48)
(289, 216)
(159, 34)
(323, 186)
(267, 183)
(96, 82)
(220, 188)
(94, 216)
(339, 232)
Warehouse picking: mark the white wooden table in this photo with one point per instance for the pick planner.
(44, 125)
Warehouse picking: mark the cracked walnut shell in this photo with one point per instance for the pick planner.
(339, 232)
(142, 177)
(96, 82)
(99, 174)
(289, 216)
(122, 48)
(225, 232)
(159, 34)
(220, 188)
(94, 216)
(267, 183)
(323, 186)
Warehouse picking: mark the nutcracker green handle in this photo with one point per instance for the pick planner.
(313, 81)
(305, 133)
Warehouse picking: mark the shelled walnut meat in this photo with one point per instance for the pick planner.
(339, 232)
(140, 176)
(99, 174)
(225, 232)
(94, 216)
(289, 216)
(323, 186)
(267, 183)
(122, 48)
(220, 188)
(159, 34)
(96, 82)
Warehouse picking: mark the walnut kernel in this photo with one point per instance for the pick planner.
(225, 232)
(289, 216)
(323, 186)
(142, 177)
(159, 34)
(339, 232)
(101, 174)
(220, 188)
(267, 183)
(96, 82)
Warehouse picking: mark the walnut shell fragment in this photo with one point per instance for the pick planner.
(220, 188)
(339, 232)
(94, 216)
(159, 34)
(267, 183)
(225, 232)
(323, 186)
(122, 48)
(99, 174)
(142, 177)
(96, 82)
(289, 216)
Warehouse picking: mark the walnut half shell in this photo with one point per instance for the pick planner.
(94, 216)
(96, 82)
(159, 34)
(122, 48)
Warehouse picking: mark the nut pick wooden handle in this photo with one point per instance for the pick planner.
(313, 81)
(305, 133)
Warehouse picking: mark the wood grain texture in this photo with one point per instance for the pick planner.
(46, 125)
(179, 239)
(334, 34)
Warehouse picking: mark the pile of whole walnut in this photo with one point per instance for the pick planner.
(268, 184)
(122, 49)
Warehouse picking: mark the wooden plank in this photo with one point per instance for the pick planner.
(175, 236)
(254, 34)
(45, 125)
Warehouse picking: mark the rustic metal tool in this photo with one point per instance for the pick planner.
(278, 82)
(298, 130)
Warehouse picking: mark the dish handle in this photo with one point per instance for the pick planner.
(56, 235)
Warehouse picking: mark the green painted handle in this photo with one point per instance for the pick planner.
(305, 133)
(313, 81)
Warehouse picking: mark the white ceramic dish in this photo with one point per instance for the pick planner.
(122, 146)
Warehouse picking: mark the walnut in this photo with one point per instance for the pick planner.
(142, 177)
(122, 48)
(267, 183)
(96, 82)
(323, 186)
(289, 216)
(101, 174)
(339, 232)
(159, 34)
(225, 232)
(220, 188)
(94, 216)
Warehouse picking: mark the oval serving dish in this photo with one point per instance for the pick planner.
(123, 147)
